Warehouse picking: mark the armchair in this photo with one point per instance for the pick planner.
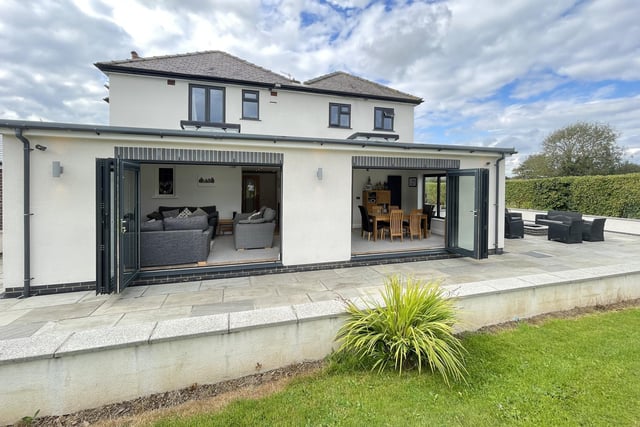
(593, 231)
(513, 225)
(564, 226)
(254, 230)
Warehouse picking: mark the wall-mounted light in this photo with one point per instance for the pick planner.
(41, 147)
(319, 174)
(56, 169)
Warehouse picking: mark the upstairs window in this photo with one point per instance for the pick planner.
(250, 104)
(340, 115)
(206, 104)
(383, 118)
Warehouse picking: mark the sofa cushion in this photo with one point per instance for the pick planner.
(199, 212)
(269, 214)
(190, 223)
(152, 225)
(252, 221)
(155, 215)
(255, 215)
(186, 212)
(170, 213)
(209, 209)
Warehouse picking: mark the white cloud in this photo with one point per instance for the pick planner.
(491, 72)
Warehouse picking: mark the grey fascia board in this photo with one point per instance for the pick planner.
(100, 129)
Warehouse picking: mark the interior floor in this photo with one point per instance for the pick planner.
(363, 246)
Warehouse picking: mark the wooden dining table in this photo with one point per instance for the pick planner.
(380, 216)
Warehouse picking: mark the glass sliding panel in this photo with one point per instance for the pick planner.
(216, 105)
(129, 232)
(466, 213)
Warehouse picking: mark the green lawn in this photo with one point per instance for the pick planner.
(583, 371)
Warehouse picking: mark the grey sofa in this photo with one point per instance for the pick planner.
(254, 230)
(175, 241)
(564, 226)
(211, 211)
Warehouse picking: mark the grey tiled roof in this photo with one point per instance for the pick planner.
(212, 64)
(343, 82)
(218, 65)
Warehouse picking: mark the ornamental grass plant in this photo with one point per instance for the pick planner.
(411, 328)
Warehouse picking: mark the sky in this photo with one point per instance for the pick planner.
(491, 72)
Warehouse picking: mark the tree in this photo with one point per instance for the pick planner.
(534, 166)
(579, 149)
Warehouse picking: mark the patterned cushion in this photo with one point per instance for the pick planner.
(255, 215)
(185, 213)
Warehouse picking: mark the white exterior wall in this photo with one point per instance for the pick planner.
(150, 102)
(316, 220)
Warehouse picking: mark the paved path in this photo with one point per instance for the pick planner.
(86, 310)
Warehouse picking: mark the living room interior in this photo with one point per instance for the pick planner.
(224, 197)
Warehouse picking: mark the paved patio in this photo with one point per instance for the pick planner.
(85, 310)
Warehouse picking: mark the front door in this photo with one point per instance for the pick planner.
(117, 225)
(467, 212)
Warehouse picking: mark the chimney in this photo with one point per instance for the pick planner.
(134, 55)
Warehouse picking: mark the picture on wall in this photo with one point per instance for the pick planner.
(206, 181)
(165, 182)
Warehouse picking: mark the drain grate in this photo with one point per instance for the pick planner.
(538, 254)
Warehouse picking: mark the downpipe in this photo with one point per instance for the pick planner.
(497, 219)
(26, 289)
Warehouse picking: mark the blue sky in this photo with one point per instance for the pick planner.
(491, 72)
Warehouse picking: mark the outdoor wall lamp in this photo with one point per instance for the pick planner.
(319, 174)
(56, 169)
(41, 147)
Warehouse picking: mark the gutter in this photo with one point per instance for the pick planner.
(497, 220)
(26, 289)
(99, 129)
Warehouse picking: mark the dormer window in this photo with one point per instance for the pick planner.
(383, 118)
(206, 104)
(340, 115)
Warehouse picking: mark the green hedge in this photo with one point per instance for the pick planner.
(610, 195)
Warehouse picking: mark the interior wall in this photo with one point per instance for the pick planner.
(410, 195)
(225, 193)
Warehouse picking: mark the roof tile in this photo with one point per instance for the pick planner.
(221, 65)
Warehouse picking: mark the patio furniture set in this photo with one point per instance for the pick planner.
(561, 226)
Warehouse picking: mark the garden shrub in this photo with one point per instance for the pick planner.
(412, 327)
(610, 195)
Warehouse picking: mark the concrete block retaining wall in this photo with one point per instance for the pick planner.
(61, 373)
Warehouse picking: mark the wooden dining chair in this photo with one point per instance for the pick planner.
(395, 224)
(415, 219)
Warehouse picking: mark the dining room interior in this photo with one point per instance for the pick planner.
(397, 211)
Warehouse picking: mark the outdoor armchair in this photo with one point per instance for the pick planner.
(593, 231)
(513, 225)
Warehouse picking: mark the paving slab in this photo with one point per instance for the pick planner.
(155, 315)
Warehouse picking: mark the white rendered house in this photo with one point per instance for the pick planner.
(229, 134)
